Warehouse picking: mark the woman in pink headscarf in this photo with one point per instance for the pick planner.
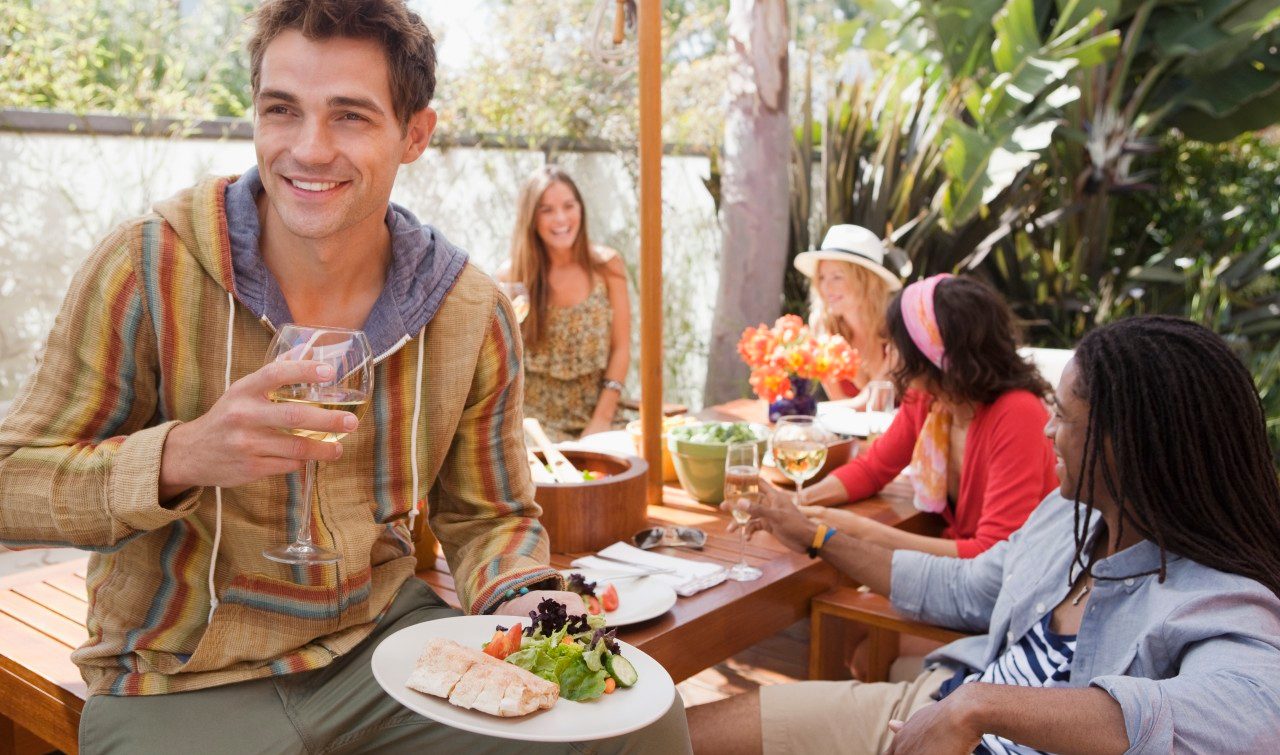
(971, 425)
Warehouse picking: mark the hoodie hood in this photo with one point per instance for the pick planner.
(424, 265)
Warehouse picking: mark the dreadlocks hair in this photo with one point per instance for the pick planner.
(1177, 435)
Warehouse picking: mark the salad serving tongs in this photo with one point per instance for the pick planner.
(561, 468)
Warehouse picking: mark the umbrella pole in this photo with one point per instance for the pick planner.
(650, 84)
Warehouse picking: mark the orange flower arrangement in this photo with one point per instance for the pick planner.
(788, 351)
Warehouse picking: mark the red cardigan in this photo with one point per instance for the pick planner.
(1007, 470)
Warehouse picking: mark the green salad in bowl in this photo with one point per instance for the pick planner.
(698, 452)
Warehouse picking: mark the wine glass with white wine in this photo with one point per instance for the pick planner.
(518, 293)
(879, 408)
(799, 447)
(741, 489)
(350, 389)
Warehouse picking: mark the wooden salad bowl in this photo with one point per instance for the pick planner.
(587, 516)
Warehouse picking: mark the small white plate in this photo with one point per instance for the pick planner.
(622, 712)
(639, 598)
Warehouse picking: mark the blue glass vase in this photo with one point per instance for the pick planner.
(803, 403)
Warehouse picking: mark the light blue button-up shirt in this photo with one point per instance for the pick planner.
(1194, 661)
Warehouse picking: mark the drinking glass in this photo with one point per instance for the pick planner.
(799, 447)
(879, 408)
(519, 296)
(350, 388)
(742, 488)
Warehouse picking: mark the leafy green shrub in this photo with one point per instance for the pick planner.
(137, 57)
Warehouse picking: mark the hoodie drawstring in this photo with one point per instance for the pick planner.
(217, 491)
(413, 430)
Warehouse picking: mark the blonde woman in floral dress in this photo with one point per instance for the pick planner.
(577, 334)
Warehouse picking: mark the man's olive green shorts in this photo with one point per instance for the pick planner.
(336, 709)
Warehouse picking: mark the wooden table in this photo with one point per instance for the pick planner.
(706, 628)
(715, 624)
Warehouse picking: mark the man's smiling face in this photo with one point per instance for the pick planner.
(328, 142)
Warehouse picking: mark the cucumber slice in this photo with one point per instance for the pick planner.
(621, 670)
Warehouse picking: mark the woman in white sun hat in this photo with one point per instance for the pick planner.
(850, 286)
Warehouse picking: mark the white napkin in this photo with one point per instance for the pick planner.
(689, 577)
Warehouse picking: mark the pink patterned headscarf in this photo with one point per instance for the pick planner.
(921, 320)
(933, 444)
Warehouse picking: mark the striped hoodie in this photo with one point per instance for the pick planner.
(153, 328)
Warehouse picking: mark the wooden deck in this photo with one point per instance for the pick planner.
(779, 659)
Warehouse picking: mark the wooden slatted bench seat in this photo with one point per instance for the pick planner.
(42, 619)
(874, 611)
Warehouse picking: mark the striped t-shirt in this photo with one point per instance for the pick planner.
(1041, 658)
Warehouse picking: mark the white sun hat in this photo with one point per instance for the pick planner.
(853, 244)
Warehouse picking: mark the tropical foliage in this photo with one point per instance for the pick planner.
(1044, 145)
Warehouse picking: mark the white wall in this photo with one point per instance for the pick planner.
(63, 192)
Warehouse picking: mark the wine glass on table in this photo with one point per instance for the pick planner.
(350, 389)
(799, 448)
(518, 293)
(879, 408)
(741, 489)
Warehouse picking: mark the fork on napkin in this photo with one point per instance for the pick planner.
(688, 576)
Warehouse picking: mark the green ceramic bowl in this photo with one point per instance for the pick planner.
(700, 466)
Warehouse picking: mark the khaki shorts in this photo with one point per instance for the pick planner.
(848, 717)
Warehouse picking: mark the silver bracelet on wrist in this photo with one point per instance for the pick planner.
(615, 385)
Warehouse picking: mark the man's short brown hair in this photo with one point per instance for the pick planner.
(410, 48)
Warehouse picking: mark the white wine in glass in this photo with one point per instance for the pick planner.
(326, 397)
(879, 408)
(799, 447)
(348, 353)
(519, 296)
(741, 490)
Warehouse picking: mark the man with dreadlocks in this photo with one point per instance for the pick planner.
(1137, 610)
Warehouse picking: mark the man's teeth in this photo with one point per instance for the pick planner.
(310, 186)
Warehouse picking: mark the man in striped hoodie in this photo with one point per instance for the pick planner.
(146, 436)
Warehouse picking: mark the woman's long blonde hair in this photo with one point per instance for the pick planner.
(871, 294)
(529, 261)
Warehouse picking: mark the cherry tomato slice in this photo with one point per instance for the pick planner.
(609, 598)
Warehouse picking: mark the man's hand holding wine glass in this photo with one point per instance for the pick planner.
(775, 511)
(239, 440)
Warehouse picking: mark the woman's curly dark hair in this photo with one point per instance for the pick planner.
(982, 361)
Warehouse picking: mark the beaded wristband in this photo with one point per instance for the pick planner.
(509, 594)
(819, 539)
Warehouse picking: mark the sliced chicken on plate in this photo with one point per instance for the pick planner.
(471, 679)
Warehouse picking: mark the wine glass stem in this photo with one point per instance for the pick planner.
(308, 488)
(742, 545)
(799, 487)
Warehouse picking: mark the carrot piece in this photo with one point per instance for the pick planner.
(566, 640)
(610, 685)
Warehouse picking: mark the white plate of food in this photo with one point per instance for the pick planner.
(626, 709)
(638, 598)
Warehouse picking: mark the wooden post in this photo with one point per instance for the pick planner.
(650, 12)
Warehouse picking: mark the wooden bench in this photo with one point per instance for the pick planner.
(885, 625)
(42, 619)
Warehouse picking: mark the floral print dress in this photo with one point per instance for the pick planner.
(563, 373)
